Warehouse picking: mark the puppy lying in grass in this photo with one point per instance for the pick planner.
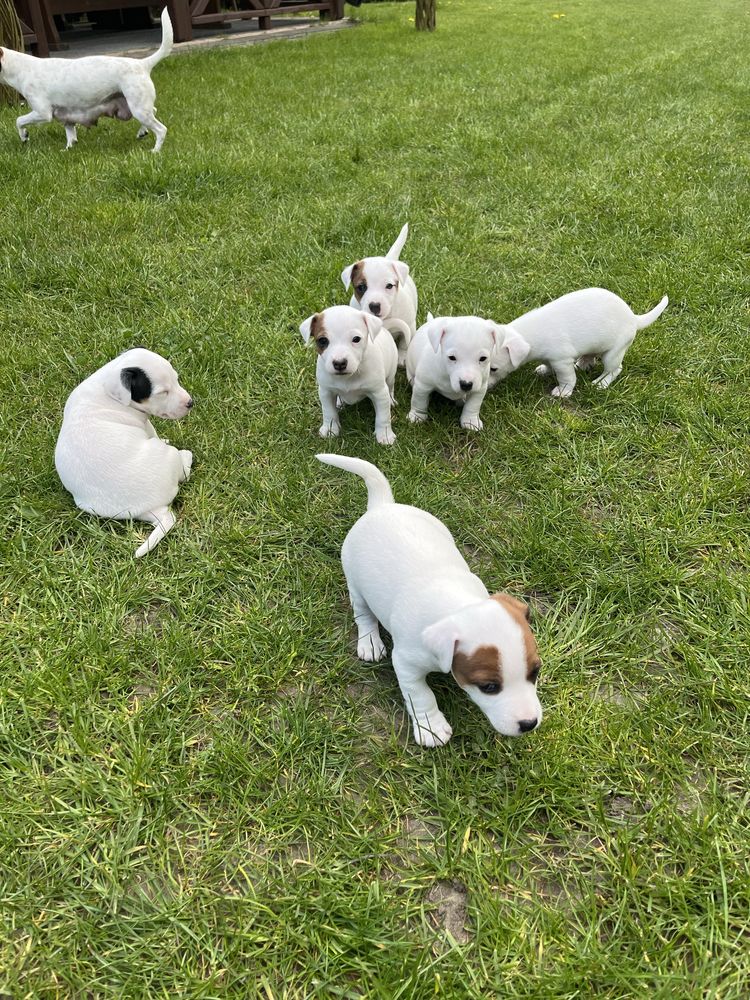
(109, 456)
(405, 572)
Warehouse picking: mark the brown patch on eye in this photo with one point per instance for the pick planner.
(519, 611)
(318, 330)
(481, 667)
(358, 274)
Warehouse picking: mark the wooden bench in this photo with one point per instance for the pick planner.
(209, 11)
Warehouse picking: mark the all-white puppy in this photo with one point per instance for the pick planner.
(404, 571)
(568, 332)
(451, 355)
(109, 456)
(80, 91)
(384, 287)
(356, 360)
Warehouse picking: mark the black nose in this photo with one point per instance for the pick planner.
(340, 366)
(526, 725)
(465, 385)
(190, 403)
(374, 308)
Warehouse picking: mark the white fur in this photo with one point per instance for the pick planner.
(404, 571)
(109, 456)
(366, 359)
(451, 355)
(566, 333)
(79, 91)
(390, 293)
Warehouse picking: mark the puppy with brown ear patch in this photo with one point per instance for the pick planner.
(384, 288)
(405, 572)
(108, 454)
(356, 360)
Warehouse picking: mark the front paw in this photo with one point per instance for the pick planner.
(432, 731)
(472, 424)
(370, 648)
(385, 435)
(187, 463)
(415, 417)
(562, 391)
(330, 429)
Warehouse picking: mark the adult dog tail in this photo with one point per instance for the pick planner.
(641, 322)
(378, 488)
(398, 246)
(167, 41)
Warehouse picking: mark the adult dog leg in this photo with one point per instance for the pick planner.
(35, 117)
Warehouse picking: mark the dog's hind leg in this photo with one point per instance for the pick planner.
(370, 646)
(71, 135)
(35, 117)
(164, 520)
(140, 96)
(612, 361)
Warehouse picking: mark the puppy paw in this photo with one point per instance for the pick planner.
(142, 132)
(329, 430)
(472, 424)
(370, 648)
(23, 134)
(541, 370)
(562, 391)
(417, 418)
(187, 463)
(432, 731)
(402, 359)
(385, 436)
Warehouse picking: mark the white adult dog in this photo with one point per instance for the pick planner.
(383, 286)
(451, 355)
(356, 361)
(80, 91)
(109, 456)
(569, 333)
(404, 571)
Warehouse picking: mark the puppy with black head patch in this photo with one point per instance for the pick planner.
(384, 288)
(108, 454)
(404, 572)
(356, 360)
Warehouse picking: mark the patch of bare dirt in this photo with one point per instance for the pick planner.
(151, 619)
(449, 915)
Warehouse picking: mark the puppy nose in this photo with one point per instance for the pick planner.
(526, 725)
(374, 308)
(340, 366)
(190, 403)
(466, 386)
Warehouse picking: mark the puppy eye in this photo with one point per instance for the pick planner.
(361, 288)
(322, 343)
(532, 678)
(356, 340)
(491, 688)
(483, 359)
(451, 357)
(389, 285)
(493, 369)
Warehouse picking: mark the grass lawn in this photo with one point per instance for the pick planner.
(202, 792)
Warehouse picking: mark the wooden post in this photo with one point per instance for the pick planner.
(425, 19)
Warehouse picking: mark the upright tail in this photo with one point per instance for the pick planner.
(641, 322)
(398, 246)
(378, 489)
(167, 40)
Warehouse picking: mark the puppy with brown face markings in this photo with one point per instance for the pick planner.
(404, 571)
(384, 288)
(356, 360)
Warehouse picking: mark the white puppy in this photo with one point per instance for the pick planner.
(568, 332)
(404, 571)
(383, 287)
(355, 361)
(80, 91)
(109, 456)
(451, 355)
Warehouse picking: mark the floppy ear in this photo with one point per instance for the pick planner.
(441, 640)
(306, 328)
(373, 324)
(496, 336)
(435, 334)
(401, 269)
(136, 382)
(346, 275)
(517, 348)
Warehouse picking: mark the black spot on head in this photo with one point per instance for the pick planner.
(138, 382)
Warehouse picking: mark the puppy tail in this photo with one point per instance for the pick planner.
(398, 246)
(167, 41)
(164, 520)
(378, 488)
(641, 322)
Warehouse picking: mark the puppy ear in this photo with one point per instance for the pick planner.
(441, 640)
(136, 382)
(435, 334)
(306, 328)
(373, 324)
(346, 275)
(401, 269)
(517, 348)
(430, 318)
